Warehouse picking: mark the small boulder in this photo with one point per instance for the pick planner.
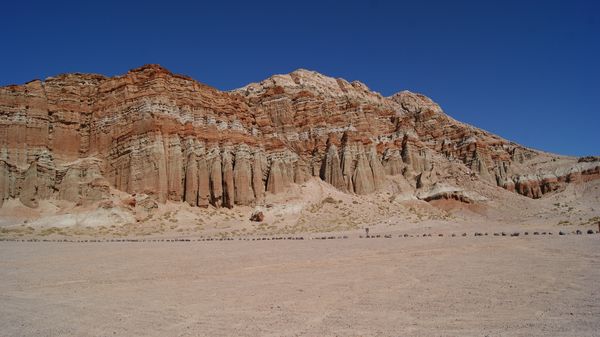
(257, 216)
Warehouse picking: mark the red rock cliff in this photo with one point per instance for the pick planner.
(75, 136)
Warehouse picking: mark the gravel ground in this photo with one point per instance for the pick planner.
(432, 286)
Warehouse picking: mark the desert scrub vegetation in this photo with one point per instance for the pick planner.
(17, 231)
(51, 231)
(590, 221)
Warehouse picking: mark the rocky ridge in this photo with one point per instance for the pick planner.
(77, 136)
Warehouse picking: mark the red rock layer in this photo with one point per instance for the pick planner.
(149, 131)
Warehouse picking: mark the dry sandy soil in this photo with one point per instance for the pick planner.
(421, 286)
(530, 285)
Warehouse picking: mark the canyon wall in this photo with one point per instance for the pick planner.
(76, 136)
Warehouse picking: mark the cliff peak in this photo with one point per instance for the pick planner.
(151, 67)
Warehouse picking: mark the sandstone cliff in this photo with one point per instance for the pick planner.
(76, 136)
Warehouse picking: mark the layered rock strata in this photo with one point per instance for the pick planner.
(151, 132)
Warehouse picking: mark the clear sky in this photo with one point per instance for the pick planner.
(526, 70)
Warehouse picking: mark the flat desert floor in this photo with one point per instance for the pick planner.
(432, 286)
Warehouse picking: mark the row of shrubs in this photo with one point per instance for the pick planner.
(157, 240)
(513, 234)
(330, 237)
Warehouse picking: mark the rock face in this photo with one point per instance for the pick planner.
(441, 192)
(331, 170)
(257, 216)
(166, 136)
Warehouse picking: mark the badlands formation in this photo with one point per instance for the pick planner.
(126, 207)
(91, 151)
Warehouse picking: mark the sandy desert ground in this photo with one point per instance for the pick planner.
(234, 285)
(419, 286)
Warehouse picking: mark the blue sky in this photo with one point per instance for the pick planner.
(526, 70)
